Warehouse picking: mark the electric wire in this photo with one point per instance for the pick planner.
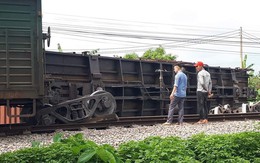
(114, 30)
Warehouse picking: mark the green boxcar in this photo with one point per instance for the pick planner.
(21, 52)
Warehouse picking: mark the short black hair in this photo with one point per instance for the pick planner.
(178, 65)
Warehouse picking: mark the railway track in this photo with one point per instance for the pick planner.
(15, 129)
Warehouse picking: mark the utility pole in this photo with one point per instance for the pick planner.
(241, 47)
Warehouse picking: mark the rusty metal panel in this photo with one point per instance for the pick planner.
(5, 119)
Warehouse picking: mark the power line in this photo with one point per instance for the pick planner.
(68, 31)
(208, 40)
(78, 28)
(117, 31)
(252, 37)
(120, 21)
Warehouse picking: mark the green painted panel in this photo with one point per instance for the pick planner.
(21, 57)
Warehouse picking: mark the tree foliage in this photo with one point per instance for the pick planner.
(244, 65)
(59, 47)
(153, 54)
(254, 82)
(131, 56)
(158, 54)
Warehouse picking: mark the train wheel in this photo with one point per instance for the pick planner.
(48, 120)
(107, 104)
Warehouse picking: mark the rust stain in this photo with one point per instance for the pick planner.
(5, 119)
(11, 94)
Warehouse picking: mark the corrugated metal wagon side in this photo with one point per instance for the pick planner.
(21, 57)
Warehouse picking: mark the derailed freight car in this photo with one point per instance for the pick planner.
(140, 87)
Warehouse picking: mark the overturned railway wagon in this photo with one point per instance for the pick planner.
(49, 87)
(140, 87)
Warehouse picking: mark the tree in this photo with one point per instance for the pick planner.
(131, 56)
(158, 53)
(154, 54)
(59, 47)
(244, 65)
(254, 82)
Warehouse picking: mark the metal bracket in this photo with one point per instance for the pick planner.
(9, 113)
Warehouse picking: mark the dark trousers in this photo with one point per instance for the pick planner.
(176, 101)
(202, 105)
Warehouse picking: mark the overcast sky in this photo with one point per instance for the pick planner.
(201, 30)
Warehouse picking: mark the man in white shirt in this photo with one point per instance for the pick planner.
(204, 87)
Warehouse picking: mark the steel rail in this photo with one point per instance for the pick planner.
(15, 129)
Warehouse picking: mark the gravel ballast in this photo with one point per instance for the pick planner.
(117, 135)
